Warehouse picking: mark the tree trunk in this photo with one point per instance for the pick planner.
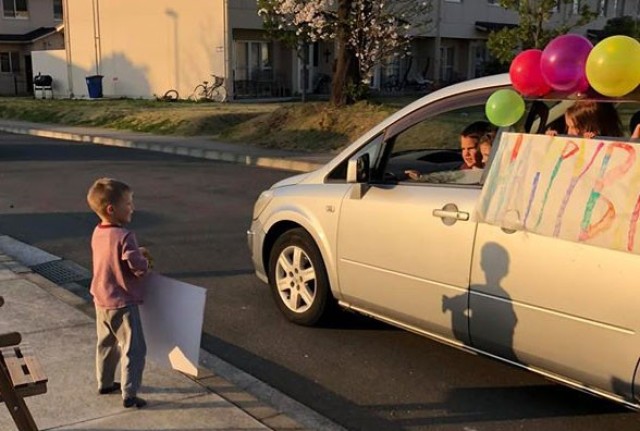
(305, 71)
(346, 67)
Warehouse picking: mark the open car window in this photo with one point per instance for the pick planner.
(425, 147)
(427, 140)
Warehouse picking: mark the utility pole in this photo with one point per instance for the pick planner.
(67, 46)
(96, 34)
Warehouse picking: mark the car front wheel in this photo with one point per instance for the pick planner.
(298, 278)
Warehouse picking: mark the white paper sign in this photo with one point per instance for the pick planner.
(172, 316)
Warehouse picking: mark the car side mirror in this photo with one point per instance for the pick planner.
(358, 169)
(358, 174)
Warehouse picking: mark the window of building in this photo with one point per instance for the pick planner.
(479, 55)
(9, 62)
(447, 57)
(15, 9)
(575, 7)
(618, 7)
(494, 2)
(603, 5)
(57, 10)
(253, 60)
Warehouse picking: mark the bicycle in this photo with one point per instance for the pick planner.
(170, 96)
(210, 91)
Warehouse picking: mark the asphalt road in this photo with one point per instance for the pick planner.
(192, 215)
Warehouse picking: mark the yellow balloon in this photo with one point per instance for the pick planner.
(613, 66)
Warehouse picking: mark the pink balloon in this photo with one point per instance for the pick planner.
(526, 75)
(563, 63)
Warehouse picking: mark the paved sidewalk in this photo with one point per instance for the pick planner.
(200, 147)
(63, 338)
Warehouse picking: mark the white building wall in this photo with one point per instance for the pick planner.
(145, 47)
(53, 63)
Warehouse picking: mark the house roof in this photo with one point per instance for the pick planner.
(27, 37)
(493, 26)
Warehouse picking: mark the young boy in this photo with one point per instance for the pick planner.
(118, 266)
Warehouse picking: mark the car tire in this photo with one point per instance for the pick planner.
(298, 278)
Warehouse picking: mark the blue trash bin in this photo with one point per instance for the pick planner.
(94, 85)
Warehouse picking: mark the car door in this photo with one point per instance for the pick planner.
(405, 247)
(556, 305)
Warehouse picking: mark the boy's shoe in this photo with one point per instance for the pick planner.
(110, 389)
(134, 401)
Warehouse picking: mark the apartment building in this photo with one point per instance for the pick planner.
(26, 26)
(143, 48)
(454, 49)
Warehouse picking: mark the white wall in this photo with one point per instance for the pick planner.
(52, 62)
(146, 47)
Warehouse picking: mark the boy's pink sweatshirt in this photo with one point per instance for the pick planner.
(118, 266)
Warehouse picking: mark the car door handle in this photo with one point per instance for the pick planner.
(457, 215)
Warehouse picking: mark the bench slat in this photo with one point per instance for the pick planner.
(23, 366)
(37, 373)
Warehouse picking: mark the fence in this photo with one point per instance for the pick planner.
(14, 85)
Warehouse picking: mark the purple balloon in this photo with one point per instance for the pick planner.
(563, 63)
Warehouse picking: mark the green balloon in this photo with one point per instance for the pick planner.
(504, 108)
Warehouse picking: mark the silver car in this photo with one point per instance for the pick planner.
(359, 234)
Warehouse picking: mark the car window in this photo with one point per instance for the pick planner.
(628, 113)
(430, 151)
(441, 131)
(425, 147)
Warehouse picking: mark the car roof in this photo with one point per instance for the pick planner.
(487, 82)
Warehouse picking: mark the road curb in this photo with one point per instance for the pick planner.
(182, 150)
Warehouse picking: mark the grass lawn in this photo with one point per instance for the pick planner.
(312, 126)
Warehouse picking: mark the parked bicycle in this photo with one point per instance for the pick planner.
(169, 96)
(210, 91)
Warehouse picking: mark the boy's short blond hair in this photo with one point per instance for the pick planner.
(105, 192)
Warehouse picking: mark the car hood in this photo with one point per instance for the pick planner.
(291, 181)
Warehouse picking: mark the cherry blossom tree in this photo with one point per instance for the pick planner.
(366, 33)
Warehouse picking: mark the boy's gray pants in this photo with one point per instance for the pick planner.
(120, 339)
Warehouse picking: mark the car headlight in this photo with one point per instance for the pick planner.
(262, 202)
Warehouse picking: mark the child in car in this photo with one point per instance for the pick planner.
(588, 119)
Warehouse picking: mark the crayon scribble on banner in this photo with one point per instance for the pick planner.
(582, 190)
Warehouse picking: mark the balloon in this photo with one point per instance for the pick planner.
(504, 108)
(563, 61)
(613, 67)
(526, 75)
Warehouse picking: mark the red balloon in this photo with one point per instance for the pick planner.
(526, 75)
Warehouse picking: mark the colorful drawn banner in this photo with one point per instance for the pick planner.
(583, 190)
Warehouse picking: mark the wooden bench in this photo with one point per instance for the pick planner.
(21, 376)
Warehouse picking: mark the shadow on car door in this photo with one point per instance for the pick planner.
(404, 249)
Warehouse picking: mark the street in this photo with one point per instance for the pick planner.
(192, 215)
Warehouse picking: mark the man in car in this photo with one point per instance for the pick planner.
(471, 156)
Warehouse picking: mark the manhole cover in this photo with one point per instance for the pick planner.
(61, 271)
